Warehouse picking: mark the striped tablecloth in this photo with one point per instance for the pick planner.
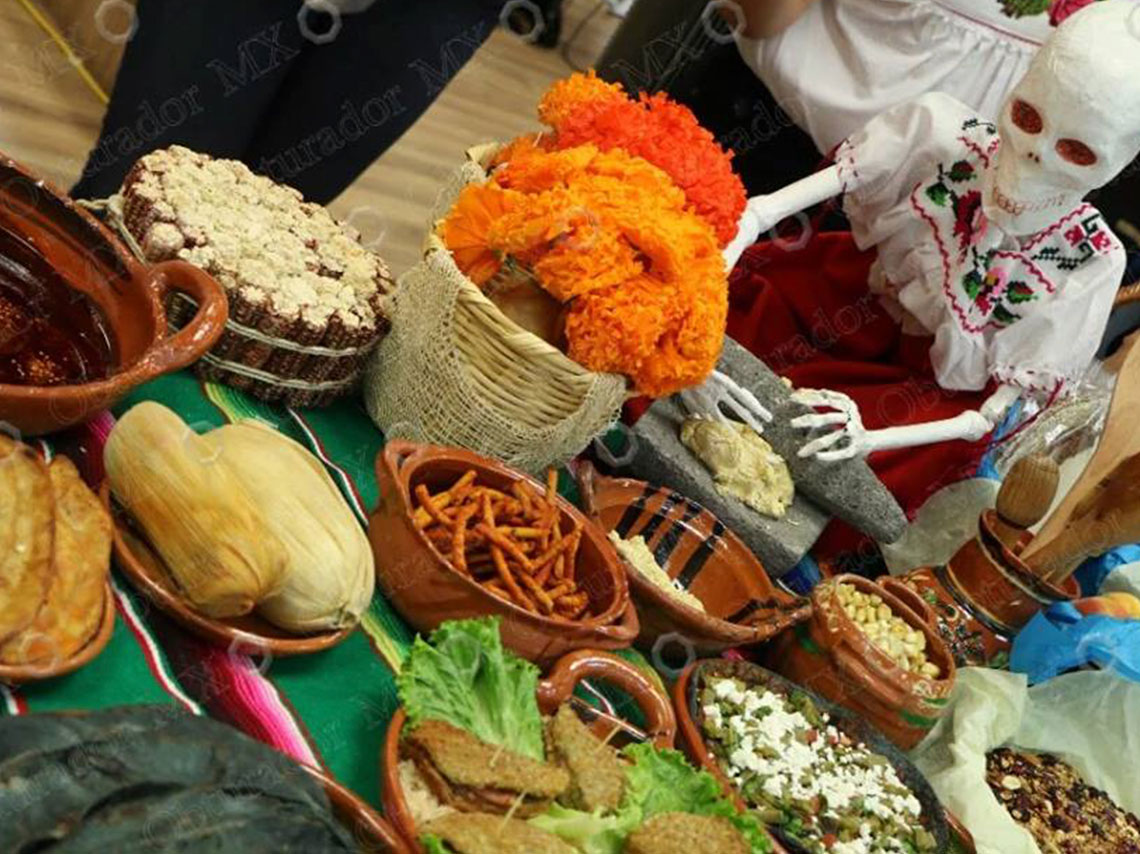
(329, 709)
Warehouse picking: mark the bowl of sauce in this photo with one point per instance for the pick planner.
(82, 322)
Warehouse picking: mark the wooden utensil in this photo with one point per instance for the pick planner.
(1107, 516)
(1119, 441)
(1025, 496)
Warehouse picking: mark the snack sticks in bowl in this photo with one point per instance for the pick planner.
(515, 544)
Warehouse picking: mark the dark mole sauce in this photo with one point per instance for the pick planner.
(50, 334)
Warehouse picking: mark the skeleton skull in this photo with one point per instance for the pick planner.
(1073, 123)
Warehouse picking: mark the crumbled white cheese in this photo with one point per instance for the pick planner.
(765, 725)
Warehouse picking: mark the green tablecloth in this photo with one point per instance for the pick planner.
(329, 709)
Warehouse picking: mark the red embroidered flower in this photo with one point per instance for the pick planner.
(1059, 10)
(969, 220)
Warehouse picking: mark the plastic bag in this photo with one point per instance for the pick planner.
(1089, 719)
(1103, 630)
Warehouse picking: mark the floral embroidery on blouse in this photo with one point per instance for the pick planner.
(989, 286)
(1058, 9)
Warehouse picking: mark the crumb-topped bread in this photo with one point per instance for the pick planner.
(290, 270)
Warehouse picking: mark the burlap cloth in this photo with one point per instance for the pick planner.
(454, 370)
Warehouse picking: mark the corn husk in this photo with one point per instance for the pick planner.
(329, 576)
(195, 511)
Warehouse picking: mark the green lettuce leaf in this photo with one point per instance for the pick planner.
(662, 781)
(591, 833)
(464, 676)
(657, 781)
(434, 845)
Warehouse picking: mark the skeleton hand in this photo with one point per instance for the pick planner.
(849, 438)
(720, 390)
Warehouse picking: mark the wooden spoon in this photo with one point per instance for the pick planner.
(1120, 440)
(1108, 516)
(1025, 496)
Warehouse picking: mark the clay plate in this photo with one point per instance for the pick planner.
(742, 604)
(16, 674)
(556, 689)
(372, 833)
(250, 633)
(427, 591)
(686, 700)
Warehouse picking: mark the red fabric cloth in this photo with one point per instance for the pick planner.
(810, 316)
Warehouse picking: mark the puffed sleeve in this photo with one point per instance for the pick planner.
(881, 164)
(1056, 339)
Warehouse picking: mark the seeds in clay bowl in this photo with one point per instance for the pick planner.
(902, 643)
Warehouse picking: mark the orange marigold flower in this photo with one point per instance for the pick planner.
(612, 237)
(575, 93)
(466, 228)
(584, 110)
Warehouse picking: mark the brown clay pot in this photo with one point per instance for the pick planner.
(556, 689)
(130, 295)
(427, 591)
(983, 596)
(831, 656)
(372, 833)
(742, 604)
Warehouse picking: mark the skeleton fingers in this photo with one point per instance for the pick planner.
(720, 396)
(849, 439)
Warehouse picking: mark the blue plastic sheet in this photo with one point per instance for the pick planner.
(1063, 639)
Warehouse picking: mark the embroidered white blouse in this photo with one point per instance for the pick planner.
(1029, 311)
(845, 61)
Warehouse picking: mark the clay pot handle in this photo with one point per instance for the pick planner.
(622, 632)
(568, 671)
(587, 477)
(196, 337)
(389, 462)
(910, 599)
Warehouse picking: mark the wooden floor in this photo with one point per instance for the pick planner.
(49, 119)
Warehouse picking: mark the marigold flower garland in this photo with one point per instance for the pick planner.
(584, 109)
(614, 239)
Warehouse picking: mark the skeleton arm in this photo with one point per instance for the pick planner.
(764, 212)
(844, 417)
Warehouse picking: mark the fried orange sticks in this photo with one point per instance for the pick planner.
(515, 542)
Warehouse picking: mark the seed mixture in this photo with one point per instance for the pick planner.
(1064, 814)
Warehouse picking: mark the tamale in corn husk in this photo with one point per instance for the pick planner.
(195, 511)
(329, 577)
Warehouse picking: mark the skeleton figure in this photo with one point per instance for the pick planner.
(983, 240)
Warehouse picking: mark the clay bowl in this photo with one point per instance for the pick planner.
(248, 634)
(556, 689)
(18, 674)
(686, 699)
(131, 297)
(742, 604)
(832, 656)
(427, 591)
(372, 833)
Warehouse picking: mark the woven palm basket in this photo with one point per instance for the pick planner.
(455, 370)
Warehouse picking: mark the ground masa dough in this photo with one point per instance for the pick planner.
(742, 464)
